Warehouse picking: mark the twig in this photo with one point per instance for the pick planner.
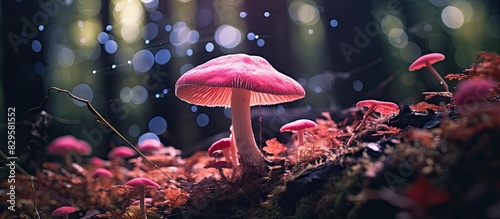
(102, 120)
(34, 198)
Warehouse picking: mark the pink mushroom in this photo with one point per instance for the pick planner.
(381, 107)
(67, 145)
(427, 61)
(150, 145)
(224, 145)
(141, 185)
(473, 90)
(299, 126)
(63, 211)
(219, 165)
(122, 152)
(239, 81)
(101, 172)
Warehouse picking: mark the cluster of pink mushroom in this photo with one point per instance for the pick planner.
(66, 146)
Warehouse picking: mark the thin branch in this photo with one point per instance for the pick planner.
(101, 120)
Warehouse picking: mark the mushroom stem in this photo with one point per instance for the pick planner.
(300, 136)
(141, 202)
(250, 155)
(222, 174)
(365, 117)
(437, 76)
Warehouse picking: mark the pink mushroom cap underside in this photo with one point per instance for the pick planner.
(210, 84)
(381, 106)
(221, 144)
(430, 58)
(298, 125)
(64, 210)
(220, 164)
(142, 182)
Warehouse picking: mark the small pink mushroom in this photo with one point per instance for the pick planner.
(141, 185)
(101, 172)
(224, 145)
(67, 145)
(63, 211)
(382, 107)
(122, 152)
(299, 126)
(219, 165)
(427, 61)
(473, 90)
(239, 81)
(150, 145)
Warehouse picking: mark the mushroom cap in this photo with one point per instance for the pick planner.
(210, 84)
(98, 162)
(142, 183)
(298, 125)
(421, 62)
(121, 152)
(223, 143)
(101, 172)
(473, 90)
(64, 144)
(149, 145)
(146, 201)
(219, 164)
(63, 210)
(381, 107)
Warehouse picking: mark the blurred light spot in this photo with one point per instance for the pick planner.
(180, 34)
(319, 83)
(203, 17)
(39, 68)
(357, 85)
(227, 112)
(261, 42)
(452, 17)
(146, 42)
(194, 36)
(410, 52)
(280, 109)
(440, 3)
(102, 38)
(227, 36)
(194, 108)
(130, 32)
(165, 91)
(36, 46)
(113, 66)
(266, 14)
(243, 14)
(126, 94)
(162, 56)
(111, 46)
(398, 38)
(149, 31)
(185, 68)
(334, 23)
(109, 28)
(408, 79)
(94, 71)
(129, 62)
(209, 47)
(304, 13)
(189, 52)
(465, 8)
(168, 27)
(41, 27)
(310, 31)
(151, 5)
(65, 57)
(422, 30)
(308, 108)
(140, 94)
(251, 36)
(155, 15)
(134, 130)
(389, 23)
(493, 26)
(147, 135)
(256, 36)
(202, 120)
(83, 91)
(143, 61)
(158, 125)
(302, 82)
